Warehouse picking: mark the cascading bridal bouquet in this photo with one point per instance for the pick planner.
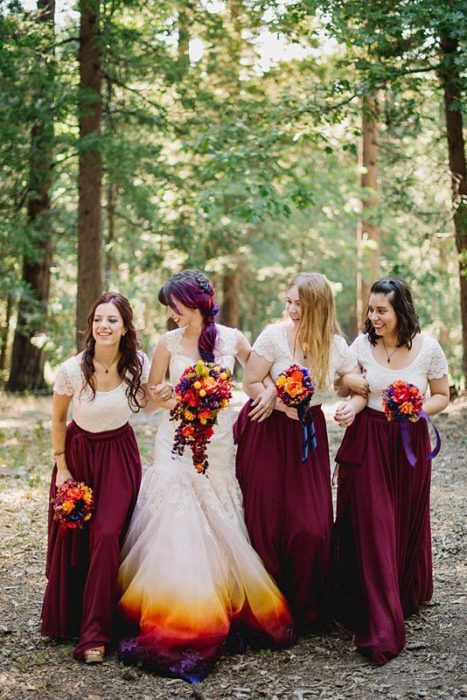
(295, 388)
(203, 390)
(403, 402)
(73, 504)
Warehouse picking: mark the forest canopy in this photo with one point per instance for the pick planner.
(250, 139)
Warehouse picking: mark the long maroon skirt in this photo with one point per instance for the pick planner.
(82, 565)
(382, 532)
(288, 507)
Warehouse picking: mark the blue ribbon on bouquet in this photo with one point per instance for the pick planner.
(409, 453)
(309, 441)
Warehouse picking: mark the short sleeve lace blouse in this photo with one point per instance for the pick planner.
(273, 344)
(107, 410)
(429, 363)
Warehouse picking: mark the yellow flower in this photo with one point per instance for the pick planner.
(189, 415)
(197, 385)
(202, 393)
(281, 381)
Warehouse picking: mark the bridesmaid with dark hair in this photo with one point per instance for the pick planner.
(104, 384)
(382, 530)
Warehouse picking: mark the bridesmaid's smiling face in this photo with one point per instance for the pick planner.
(382, 315)
(107, 325)
(292, 304)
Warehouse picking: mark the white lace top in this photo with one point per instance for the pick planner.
(430, 363)
(108, 410)
(273, 344)
(225, 350)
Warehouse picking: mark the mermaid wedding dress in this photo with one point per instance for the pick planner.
(190, 580)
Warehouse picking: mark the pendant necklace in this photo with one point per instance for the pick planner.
(106, 369)
(389, 355)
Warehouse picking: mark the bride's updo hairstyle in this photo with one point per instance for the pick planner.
(193, 289)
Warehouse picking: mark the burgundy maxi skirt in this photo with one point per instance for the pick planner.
(288, 507)
(382, 533)
(82, 565)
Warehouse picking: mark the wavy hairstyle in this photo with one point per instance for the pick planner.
(130, 364)
(318, 323)
(193, 289)
(400, 298)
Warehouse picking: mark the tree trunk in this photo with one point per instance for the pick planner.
(90, 167)
(4, 332)
(451, 82)
(229, 315)
(368, 243)
(27, 362)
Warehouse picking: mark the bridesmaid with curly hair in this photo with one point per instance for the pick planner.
(103, 384)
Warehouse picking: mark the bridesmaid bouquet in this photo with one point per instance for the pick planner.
(203, 390)
(295, 388)
(73, 504)
(403, 402)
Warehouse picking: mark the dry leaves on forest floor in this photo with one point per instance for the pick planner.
(325, 666)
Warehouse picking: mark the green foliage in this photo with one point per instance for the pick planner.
(220, 162)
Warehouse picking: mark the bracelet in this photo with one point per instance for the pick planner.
(60, 452)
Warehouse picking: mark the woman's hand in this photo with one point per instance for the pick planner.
(288, 410)
(345, 414)
(357, 384)
(263, 405)
(63, 474)
(161, 392)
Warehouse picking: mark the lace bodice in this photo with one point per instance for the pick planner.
(107, 410)
(273, 344)
(172, 478)
(430, 363)
(224, 352)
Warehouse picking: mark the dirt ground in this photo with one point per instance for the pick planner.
(326, 666)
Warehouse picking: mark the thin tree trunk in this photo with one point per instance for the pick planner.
(368, 235)
(451, 82)
(90, 167)
(4, 332)
(27, 361)
(229, 315)
(110, 264)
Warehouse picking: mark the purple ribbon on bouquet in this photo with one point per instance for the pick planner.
(409, 453)
(309, 441)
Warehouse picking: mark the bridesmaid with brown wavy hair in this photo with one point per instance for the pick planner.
(103, 384)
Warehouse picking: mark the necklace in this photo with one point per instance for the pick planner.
(106, 369)
(389, 355)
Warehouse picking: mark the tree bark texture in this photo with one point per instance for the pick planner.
(90, 167)
(27, 360)
(229, 315)
(451, 82)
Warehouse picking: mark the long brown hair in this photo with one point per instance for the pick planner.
(318, 323)
(130, 364)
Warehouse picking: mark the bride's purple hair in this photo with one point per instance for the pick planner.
(193, 289)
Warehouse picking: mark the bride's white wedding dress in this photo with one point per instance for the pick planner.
(189, 575)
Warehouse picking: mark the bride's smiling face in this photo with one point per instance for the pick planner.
(182, 315)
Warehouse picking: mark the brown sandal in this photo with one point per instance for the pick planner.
(94, 656)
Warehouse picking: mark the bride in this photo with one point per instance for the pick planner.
(189, 578)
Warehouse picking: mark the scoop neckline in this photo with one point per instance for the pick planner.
(397, 369)
(99, 391)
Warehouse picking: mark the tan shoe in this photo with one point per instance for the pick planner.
(94, 656)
